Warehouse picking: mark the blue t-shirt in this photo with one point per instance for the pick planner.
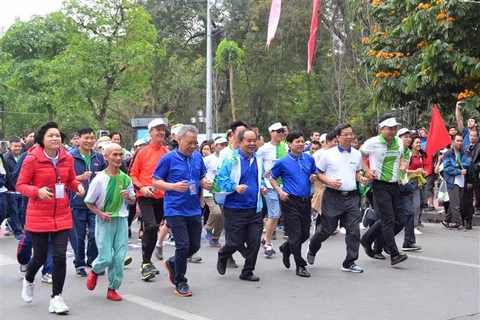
(175, 167)
(248, 176)
(295, 173)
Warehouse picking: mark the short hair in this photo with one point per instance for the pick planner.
(237, 124)
(83, 131)
(241, 134)
(458, 134)
(108, 147)
(204, 143)
(42, 130)
(330, 136)
(187, 128)
(452, 127)
(385, 117)
(27, 132)
(315, 142)
(14, 139)
(340, 127)
(294, 135)
(114, 133)
(63, 136)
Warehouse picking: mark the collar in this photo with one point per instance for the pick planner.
(181, 156)
(295, 158)
(341, 149)
(382, 140)
(243, 156)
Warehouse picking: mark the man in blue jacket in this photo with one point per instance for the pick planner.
(455, 165)
(87, 162)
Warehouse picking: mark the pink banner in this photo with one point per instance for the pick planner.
(313, 34)
(273, 20)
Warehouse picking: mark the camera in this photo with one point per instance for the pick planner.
(461, 104)
(152, 190)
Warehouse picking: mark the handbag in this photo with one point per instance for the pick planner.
(442, 195)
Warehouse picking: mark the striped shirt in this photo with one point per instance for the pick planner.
(384, 158)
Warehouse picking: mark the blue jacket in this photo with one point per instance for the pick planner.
(97, 163)
(451, 168)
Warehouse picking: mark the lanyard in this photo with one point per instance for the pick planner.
(188, 163)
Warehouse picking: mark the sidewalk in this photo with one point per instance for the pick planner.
(439, 215)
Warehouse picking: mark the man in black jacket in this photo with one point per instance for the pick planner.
(472, 180)
(14, 198)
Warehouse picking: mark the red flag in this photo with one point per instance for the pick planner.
(313, 34)
(438, 138)
(273, 20)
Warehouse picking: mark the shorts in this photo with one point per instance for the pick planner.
(273, 204)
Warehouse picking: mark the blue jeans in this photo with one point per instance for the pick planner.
(406, 208)
(83, 218)
(3, 206)
(14, 206)
(24, 252)
(187, 232)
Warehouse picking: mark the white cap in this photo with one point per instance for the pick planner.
(402, 131)
(323, 137)
(275, 126)
(176, 128)
(390, 122)
(156, 122)
(103, 144)
(139, 142)
(220, 140)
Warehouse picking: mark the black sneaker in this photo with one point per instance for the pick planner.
(183, 290)
(81, 272)
(147, 272)
(398, 258)
(170, 268)
(231, 263)
(411, 247)
(155, 270)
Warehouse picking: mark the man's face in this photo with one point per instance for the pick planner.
(345, 138)
(30, 137)
(249, 143)
(389, 132)
(471, 123)
(355, 143)
(297, 145)
(315, 136)
(452, 131)
(74, 141)
(473, 138)
(187, 143)
(116, 139)
(277, 135)
(86, 141)
(219, 147)
(314, 148)
(114, 157)
(458, 143)
(285, 134)
(157, 134)
(16, 148)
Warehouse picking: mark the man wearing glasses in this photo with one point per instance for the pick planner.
(340, 169)
(386, 162)
(270, 153)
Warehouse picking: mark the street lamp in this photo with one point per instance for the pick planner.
(199, 120)
(208, 131)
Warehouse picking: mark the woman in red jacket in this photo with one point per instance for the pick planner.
(46, 171)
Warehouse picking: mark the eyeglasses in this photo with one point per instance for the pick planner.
(280, 131)
(347, 135)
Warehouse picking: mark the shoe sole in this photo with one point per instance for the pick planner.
(411, 249)
(194, 261)
(51, 310)
(349, 270)
(128, 261)
(182, 295)
(169, 276)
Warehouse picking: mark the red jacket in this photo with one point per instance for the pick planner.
(37, 172)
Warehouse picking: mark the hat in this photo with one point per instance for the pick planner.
(139, 142)
(275, 126)
(390, 122)
(220, 140)
(323, 137)
(156, 122)
(403, 131)
(103, 144)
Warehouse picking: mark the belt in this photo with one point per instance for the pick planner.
(343, 193)
(303, 199)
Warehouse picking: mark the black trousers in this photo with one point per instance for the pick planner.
(337, 207)
(59, 257)
(296, 221)
(466, 205)
(242, 226)
(387, 201)
(152, 216)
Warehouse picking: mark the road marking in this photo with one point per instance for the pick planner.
(5, 261)
(463, 264)
(174, 312)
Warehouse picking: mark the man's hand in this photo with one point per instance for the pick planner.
(463, 172)
(125, 195)
(241, 188)
(207, 184)
(146, 192)
(80, 190)
(371, 174)
(313, 177)
(263, 190)
(283, 195)
(181, 186)
(106, 216)
(337, 183)
(86, 175)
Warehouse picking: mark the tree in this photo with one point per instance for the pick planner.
(229, 56)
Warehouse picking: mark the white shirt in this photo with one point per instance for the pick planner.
(317, 156)
(212, 163)
(341, 165)
(384, 159)
(268, 153)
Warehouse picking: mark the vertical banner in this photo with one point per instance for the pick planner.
(313, 34)
(273, 20)
(438, 138)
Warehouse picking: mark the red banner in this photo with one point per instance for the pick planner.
(313, 34)
(438, 138)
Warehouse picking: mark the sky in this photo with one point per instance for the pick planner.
(24, 9)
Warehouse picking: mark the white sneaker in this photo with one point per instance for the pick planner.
(57, 305)
(47, 278)
(28, 291)
(23, 270)
(416, 231)
(342, 230)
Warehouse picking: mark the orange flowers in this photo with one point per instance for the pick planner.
(394, 74)
(439, 2)
(399, 55)
(424, 6)
(385, 55)
(450, 19)
(365, 40)
(441, 16)
(377, 3)
(371, 53)
(465, 94)
(421, 44)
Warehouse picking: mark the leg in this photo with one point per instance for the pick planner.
(293, 219)
(179, 228)
(119, 245)
(350, 220)
(328, 221)
(455, 203)
(386, 205)
(40, 248)
(14, 204)
(150, 228)
(253, 236)
(235, 231)
(215, 220)
(273, 206)
(92, 251)
(59, 244)
(24, 249)
(407, 205)
(80, 222)
(104, 236)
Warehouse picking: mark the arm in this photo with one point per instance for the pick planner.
(458, 116)
(283, 195)
(104, 215)
(224, 182)
(25, 178)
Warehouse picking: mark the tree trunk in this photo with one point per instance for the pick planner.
(4, 120)
(232, 95)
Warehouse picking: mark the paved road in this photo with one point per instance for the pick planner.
(441, 282)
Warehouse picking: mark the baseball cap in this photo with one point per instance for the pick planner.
(156, 122)
(323, 137)
(275, 126)
(176, 128)
(403, 131)
(390, 122)
(220, 140)
(139, 142)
